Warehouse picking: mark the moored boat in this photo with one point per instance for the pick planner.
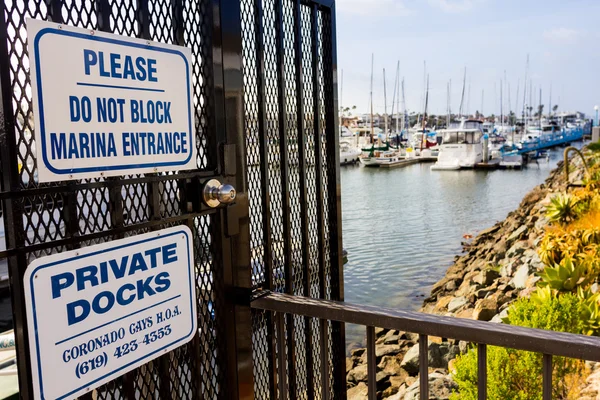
(461, 146)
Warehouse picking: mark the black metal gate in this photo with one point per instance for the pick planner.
(264, 77)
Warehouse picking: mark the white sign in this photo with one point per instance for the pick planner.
(101, 311)
(108, 105)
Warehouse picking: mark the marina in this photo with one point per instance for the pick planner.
(415, 225)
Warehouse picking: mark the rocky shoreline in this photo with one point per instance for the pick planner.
(497, 267)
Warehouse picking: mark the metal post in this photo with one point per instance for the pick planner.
(547, 377)
(236, 377)
(338, 336)
(423, 367)
(481, 372)
(371, 363)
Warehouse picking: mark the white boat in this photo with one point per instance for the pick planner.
(362, 136)
(376, 158)
(349, 153)
(461, 146)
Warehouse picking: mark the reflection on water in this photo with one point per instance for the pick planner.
(403, 227)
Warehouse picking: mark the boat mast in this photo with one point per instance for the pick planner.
(501, 109)
(342, 99)
(530, 98)
(385, 120)
(509, 105)
(462, 97)
(517, 97)
(424, 137)
(540, 107)
(447, 105)
(469, 99)
(372, 62)
(550, 103)
(481, 112)
(525, 92)
(397, 96)
(405, 114)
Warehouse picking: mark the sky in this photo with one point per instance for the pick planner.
(488, 37)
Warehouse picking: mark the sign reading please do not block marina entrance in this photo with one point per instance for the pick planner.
(108, 105)
(101, 311)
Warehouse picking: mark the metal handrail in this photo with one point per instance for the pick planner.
(549, 343)
(566, 155)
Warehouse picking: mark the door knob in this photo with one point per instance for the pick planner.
(214, 194)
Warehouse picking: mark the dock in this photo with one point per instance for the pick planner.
(408, 161)
(506, 162)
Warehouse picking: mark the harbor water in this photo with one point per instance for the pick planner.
(403, 227)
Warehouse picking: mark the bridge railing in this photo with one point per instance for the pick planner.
(548, 343)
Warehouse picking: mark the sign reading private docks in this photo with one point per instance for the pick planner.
(108, 105)
(101, 311)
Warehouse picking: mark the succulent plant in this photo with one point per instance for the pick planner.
(543, 295)
(590, 311)
(566, 276)
(562, 208)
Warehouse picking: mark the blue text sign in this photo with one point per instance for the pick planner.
(108, 105)
(101, 311)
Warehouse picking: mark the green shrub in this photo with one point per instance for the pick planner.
(517, 374)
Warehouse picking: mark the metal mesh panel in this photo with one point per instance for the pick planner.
(260, 356)
(274, 159)
(309, 178)
(253, 156)
(85, 212)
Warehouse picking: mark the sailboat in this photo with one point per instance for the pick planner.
(384, 153)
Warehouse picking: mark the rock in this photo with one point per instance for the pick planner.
(488, 231)
(391, 339)
(357, 352)
(531, 281)
(450, 286)
(442, 303)
(358, 374)
(517, 249)
(435, 357)
(440, 388)
(520, 279)
(508, 270)
(392, 390)
(391, 366)
(498, 317)
(397, 381)
(500, 248)
(380, 377)
(358, 392)
(456, 303)
(486, 277)
(349, 364)
(485, 309)
(466, 313)
(386, 350)
(379, 331)
(517, 233)
(451, 353)
(463, 347)
(399, 394)
(391, 332)
(527, 292)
